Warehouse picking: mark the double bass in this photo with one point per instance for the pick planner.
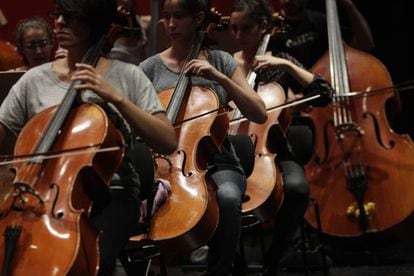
(44, 222)
(361, 171)
(189, 216)
(264, 191)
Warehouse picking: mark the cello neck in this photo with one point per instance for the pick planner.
(184, 80)
(65, 106)
(251, 75)
(338, 66)
(183, 84)
(261, 50)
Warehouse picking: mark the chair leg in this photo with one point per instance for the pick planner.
(262, 247)
(305, 244)
(137, 261)
(249, 222)
(163, 266)
(240, 262)
(319, 233)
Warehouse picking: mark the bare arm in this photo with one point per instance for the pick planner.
(301, 75)
(155, 129)
(246, 99)
(361, 33)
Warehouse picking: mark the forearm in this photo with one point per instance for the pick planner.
(301, 75)
(154, 129)
(246, 99)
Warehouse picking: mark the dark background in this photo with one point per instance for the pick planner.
(391, 22)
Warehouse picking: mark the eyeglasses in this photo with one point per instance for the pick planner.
(68, 16)
(39, 43)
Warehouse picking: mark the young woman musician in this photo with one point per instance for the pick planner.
(34, 42)
(250, 20)
(123, 91)
(217, 70)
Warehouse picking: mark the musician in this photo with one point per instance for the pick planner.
(124, 92)
(219, 71)
(34, 38)
(307, 38)
(130, 47)
(250, 20)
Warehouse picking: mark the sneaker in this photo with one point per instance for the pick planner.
(199, 255)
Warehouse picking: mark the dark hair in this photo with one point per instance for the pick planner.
(195, 6)
(98, 14)
(258, 10)
(34, 22)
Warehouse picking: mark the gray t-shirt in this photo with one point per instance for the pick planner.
(39, 88)
(164, 78)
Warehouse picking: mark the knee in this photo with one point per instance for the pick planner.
(229, 198)
(297, 187)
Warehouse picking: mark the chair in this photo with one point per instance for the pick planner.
(137, 256)
(306, 246)
(249, 223)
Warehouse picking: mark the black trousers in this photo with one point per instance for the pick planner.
(118, 222)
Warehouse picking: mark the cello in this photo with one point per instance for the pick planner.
(64, 169)
(9, 57)
(264, 191)
(361, 171)
(189, 216)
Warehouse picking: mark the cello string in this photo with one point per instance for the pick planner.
(405, 86)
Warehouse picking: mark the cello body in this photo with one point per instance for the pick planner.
(51, 200)
(265, 185)
(189, 216)
(361, 171)
(9, 57)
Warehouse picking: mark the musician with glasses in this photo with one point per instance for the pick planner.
(122, 90)
(34, 37)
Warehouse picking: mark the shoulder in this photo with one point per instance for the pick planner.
(151, 65)
(150, 62)
(223, 61)
(36, 74)
(126, 71)
(219, 54)
(45, 68)
(121, 65)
